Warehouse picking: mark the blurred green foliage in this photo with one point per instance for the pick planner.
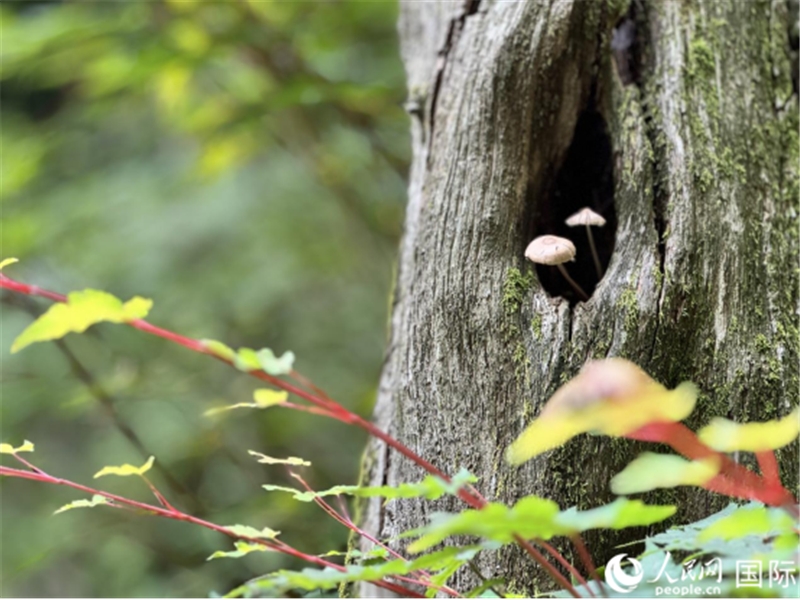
(241, 163)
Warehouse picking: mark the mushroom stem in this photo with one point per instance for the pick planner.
(573, 283)
(596, 258)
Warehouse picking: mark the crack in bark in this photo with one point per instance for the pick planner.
(659, 214)
(454, 29)
(569, 324)
(658, 171)
(387, 455)
(471, 7)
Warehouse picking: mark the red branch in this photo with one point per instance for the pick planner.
(343, 520)
(733, 479)
(171, 513)
(768, 465)
(324, 404)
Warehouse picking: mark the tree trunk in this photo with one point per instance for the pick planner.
(677, 122)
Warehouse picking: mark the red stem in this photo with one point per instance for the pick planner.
(179, 516)
(547, 566)
(303, 408)
(733, 479)
(355, 528)
(566, 564)
(336, 411)
(768, 465)
(583, 552)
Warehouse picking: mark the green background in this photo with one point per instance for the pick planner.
(243, 164)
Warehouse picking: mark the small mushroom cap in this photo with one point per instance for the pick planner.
(585, 216)
(550, 250)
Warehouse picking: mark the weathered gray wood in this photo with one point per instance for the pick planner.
(705, 151)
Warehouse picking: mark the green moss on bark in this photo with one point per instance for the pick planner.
(515, 289)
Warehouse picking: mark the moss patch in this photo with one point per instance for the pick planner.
(536, 327)
(629, 306)
(515, 289)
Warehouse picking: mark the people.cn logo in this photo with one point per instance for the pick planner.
(620, 581)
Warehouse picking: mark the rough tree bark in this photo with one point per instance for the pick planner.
(687, 143)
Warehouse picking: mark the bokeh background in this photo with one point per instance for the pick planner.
(243, 164)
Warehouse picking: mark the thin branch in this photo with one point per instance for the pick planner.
(336, 410)
(171, 513)
(586, 557)
(566, 564)
(547, 566)
(355, 528)
(108, 403)
(476, 570)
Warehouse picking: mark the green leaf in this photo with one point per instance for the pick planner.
(726, 436)
(9, 449)
(265, 397)
(96, 500)
(276, 584)
(252, 532)
(219, 349)
(441, 578)
(613, 397)
(650, 471)
(7, 261)
(273, 365)
(692, 538)
(483, 591)
(268, 460)
(247, 360)
(431, 488)
(135, 308)
(752, 538)
(619, 514)
(78, 313)
(530, 517)
(761, 521)
(126, 469)
(242, 549)
(534, 517)
(311, 496)
(376, 552)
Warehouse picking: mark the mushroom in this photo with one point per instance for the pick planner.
(587, 217)
(553, 250)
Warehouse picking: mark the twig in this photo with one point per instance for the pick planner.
(586, 557)
(566, 564)
(547, 566)
(176, 515)
(108, 403)
(324, 402)
(355, 528)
